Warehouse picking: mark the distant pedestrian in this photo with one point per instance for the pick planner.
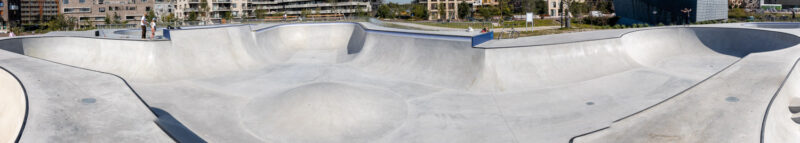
(153, 28)
(144, 28)
(484, 30)
(11, 34)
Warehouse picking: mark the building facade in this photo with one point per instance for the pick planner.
(295, 7)
(669, 11)
(164, 7)
(9, 13)
(38, 11)
(451, 7)
(217, 9)
(554, 6)
(97, 11)
(784, 3)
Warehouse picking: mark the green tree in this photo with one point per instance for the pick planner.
(261, 13)
(169, 18)
(442, 13)
(150, 15)
(419, 11)
(116, 19)
(193, 16)
(227, 15)
(464, 10)
(107, 20)
(360, 12)
(384, 11)
(486, 12)
(204, 9)
(305, 12)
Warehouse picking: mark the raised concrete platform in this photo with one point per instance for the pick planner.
(357, 82)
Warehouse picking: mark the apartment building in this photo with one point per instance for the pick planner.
(295, 7)
(554, 6)
(38, 11)
(9, 13)
(164, 7)
(97, 11)
(217, 9)
(451, 7)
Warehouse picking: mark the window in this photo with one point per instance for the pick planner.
(130, 17)
(85, 9)
(554, 4)
(66, 2)
(131, 8)
(100, 1)
(99, 18)
(147, 8)
(144, 0)
(1, 4)
(233, 6)
(102, 9)
(81, 1)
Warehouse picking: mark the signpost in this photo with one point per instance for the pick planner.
(529, 18)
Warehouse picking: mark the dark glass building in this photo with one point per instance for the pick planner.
(669, 11)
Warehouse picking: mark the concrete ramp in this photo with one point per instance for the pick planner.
(13, 105)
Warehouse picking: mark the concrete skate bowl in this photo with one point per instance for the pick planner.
(344, 83)
(773, 25)
(782, 119)
(13, 107)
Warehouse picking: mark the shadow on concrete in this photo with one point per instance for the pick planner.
(174, 128)
(742, 42)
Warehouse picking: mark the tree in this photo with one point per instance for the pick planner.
(360, 12)
(192, 16)
(464, 10)
(486, 12)
(150, 15)
(227, 15)
(204, 9)
(419, 11)
(261, 13)
(116, 19)
(384, 11)
(107, 20)
(169, 18)
(441, 11)
(305, 12)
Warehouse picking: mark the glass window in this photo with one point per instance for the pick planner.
(1, 4)
(102, 9)
(81, 1)
(147, 8)
(144, 0)
(233, 6)
(554, 4)
(100, 1)
(66, 2)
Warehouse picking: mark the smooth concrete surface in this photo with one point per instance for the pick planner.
(12, 107)
(773, 25)
(357, 82)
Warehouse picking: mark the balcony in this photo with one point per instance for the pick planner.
(221, 9)
(191, 10)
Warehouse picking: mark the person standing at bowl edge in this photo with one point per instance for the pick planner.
(144, 28)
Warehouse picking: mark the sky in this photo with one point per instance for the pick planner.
(398, 1)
